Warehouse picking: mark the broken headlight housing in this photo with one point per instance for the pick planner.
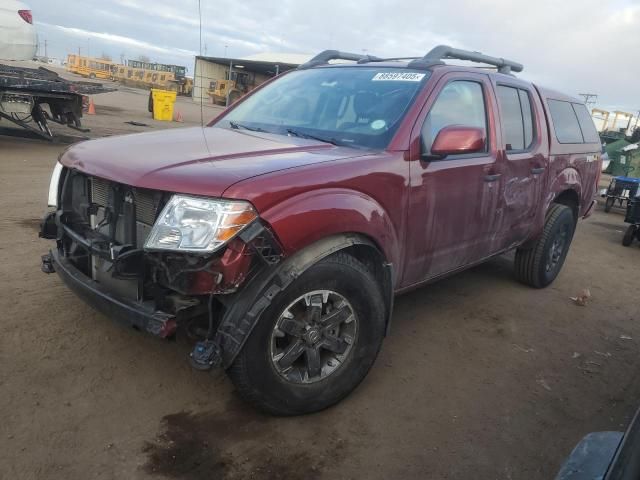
(199, 225)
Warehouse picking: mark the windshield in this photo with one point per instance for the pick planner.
(354, 106)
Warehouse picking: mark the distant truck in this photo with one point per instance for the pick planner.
(281, 232)
(32, 97)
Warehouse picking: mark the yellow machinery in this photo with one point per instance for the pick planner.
(154, 75)
(89, 67)
(134, 73)
(219, 89)
(222, 90)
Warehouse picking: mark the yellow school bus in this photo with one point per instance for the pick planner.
(134, 73)
(153, 75)
(89, 67)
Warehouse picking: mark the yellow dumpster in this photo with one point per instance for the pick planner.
(163, 101)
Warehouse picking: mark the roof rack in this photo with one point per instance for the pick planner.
(323, 58)
(437, 54)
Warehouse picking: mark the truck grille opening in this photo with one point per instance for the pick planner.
(146, 201)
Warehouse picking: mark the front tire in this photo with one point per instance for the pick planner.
(608, 204)
(539, 266)
(629, 235)
(316, 341)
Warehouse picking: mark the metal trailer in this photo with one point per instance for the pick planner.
(621, 190)
(632, 217)
(23, 92)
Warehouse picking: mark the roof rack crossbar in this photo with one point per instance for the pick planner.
(441, 52)
(324, 57)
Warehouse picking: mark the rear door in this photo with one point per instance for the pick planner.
(454, 209)
(524, 146)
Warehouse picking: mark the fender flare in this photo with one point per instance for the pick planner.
(303, 219)
(245, 309)
(567, 179)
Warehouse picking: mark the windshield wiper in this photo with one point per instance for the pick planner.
(236, 126)
(297, 133)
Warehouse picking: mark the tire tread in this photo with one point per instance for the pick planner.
(238, 371)
(528, 262)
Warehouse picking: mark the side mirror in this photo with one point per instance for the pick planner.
(458, 139)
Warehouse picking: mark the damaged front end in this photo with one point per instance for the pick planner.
(103, 232)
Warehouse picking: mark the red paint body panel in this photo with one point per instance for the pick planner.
(428, 218)
(366, 194)
(197, 161)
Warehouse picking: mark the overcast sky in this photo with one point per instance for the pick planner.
(572, 45)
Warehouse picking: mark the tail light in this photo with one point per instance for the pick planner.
(26, 16)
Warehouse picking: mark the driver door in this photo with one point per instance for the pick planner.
(455, 205)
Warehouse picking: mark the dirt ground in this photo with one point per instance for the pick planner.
(480, 377)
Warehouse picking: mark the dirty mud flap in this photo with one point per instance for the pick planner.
(126, 312)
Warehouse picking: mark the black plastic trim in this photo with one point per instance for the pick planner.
(135, 314)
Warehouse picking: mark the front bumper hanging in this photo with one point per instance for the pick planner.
(136, 314)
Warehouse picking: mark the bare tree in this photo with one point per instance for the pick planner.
(144, 58)
(105, 56)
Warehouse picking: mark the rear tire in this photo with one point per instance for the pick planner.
(629, 235)
(539, 266)
(608, 204)
(258, 372)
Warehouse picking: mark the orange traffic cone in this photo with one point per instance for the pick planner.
(178, 118)
(92, 108)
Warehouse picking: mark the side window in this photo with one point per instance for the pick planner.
(516, 116)
(527, 117)
(565, 122)
(460, 102)
(589, 131)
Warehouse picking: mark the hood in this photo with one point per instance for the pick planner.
(198, 161)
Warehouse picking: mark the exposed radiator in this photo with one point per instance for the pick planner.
(145, 200)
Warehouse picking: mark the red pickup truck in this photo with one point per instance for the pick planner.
(279, 234)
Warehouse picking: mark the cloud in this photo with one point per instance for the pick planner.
(120, 40)
(573, 45)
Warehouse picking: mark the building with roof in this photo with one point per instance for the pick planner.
(222, 79)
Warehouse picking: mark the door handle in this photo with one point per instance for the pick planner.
(492, 178)
(537, 170)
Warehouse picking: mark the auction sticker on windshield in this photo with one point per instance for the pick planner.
(398, 76)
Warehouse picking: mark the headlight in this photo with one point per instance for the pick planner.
(52, 199)
(193, 224)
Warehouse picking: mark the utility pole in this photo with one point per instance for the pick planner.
(78, 50)
(589, 98)
(45, 49)
(225, 51)
(230, 80)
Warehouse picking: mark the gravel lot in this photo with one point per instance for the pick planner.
(480, 378)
